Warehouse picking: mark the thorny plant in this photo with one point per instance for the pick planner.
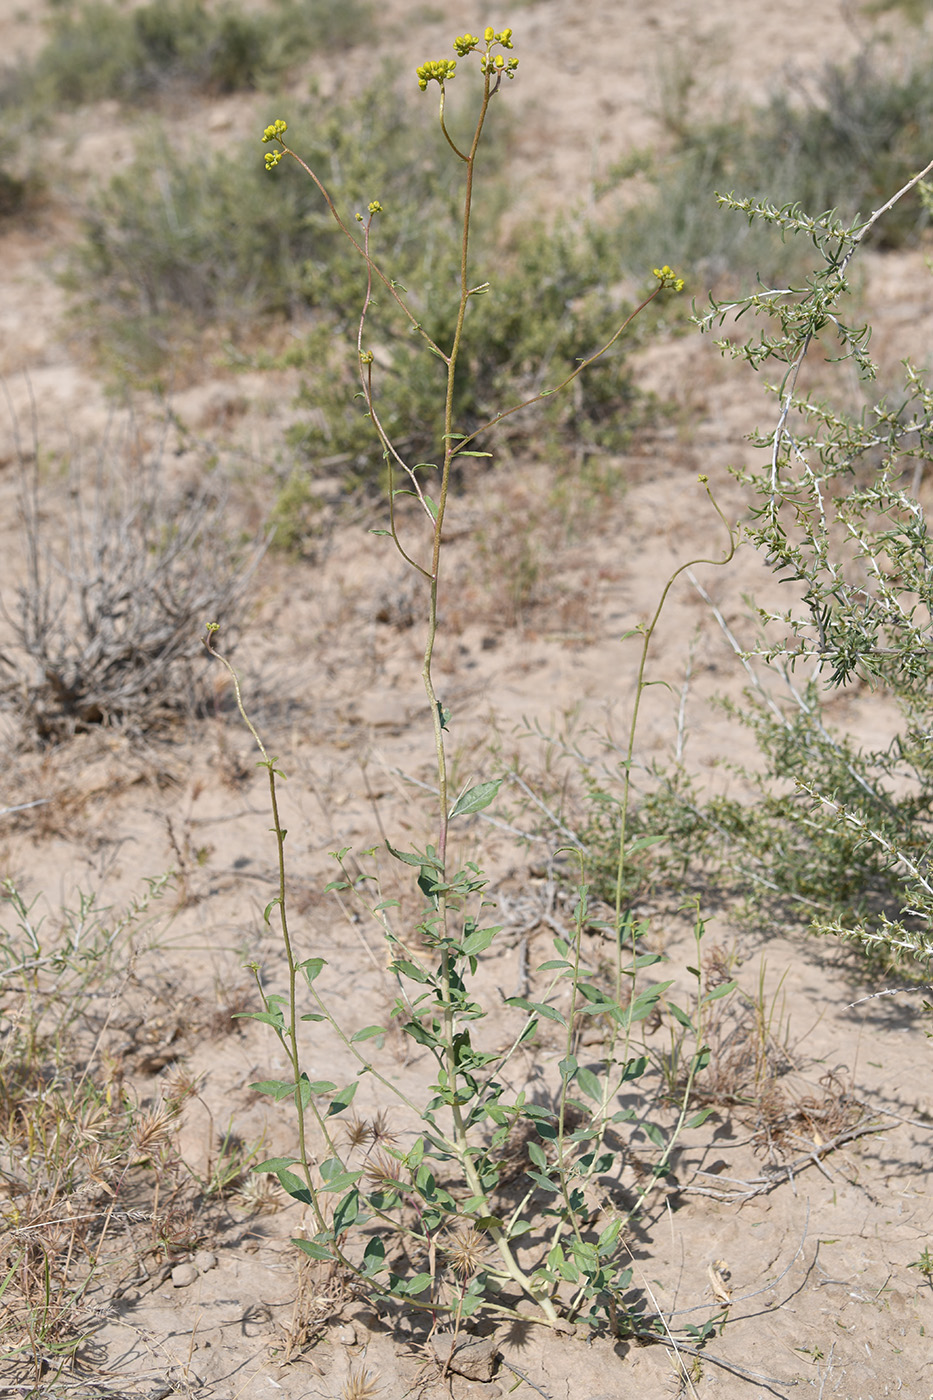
(837, 514)
(441, 1223)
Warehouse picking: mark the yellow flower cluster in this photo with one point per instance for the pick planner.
(440, 69)
(668, 278)
(275, 132)
(498, 64)
(436, 70)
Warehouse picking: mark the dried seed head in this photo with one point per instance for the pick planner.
(379, 1129)
(360, 1385)
(178, 1087)
(153, 1130)
(464, 1249)
(356, 1131)
(384, 1170)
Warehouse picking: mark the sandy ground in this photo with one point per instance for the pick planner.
(813, 1248)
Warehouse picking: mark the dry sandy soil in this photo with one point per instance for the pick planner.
(815, 1264)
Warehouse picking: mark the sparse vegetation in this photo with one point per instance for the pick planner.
(523, 1137)
(105, 625)
(100, 50)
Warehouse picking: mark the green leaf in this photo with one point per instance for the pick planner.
(346, 1211)
(311, 967)
(548, 1012)
(538, 1113)
(654, 1133)
(643, 1005)
(342, 1181)
(429, 858)
(268, 1018)
(373, 1257)
(313, 1251)
(594, 995)
(476, 798)
(544, 1182)
(276, 1087)
(479, 940)
(366, 1033)
(722, 990)
(410, 970)
(585, 1255)
(267, 912)
(634, 1068)
(681, 1016)
(607, 1239)
(536, 1153)
(275, 1164)
(553, 965)
(641, 842)
(646, 960)
(699, 1118)
(408, 1287)
(589, 1083)
(295, 1186)
(342, 1099)
(568, 1067)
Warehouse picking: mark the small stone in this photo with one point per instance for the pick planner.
(346, 1335)
(183, 1275)
(473, 1357)
(205, 1260)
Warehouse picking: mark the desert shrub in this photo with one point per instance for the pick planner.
(22, 182)
(101, 51)
(104, 625)
(836, 514)
(552, 300)
(844, 140)
(767, 849)
(211, 246)
(223, 244)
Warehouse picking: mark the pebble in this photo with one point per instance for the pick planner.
(205, 1260)
(346, 1335)
(472, 1357)
(183, 1275)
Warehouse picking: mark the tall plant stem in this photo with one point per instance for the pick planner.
(647, 631)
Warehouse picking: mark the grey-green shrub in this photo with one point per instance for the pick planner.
(183, 241)
(845, 139)
(102, 51)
